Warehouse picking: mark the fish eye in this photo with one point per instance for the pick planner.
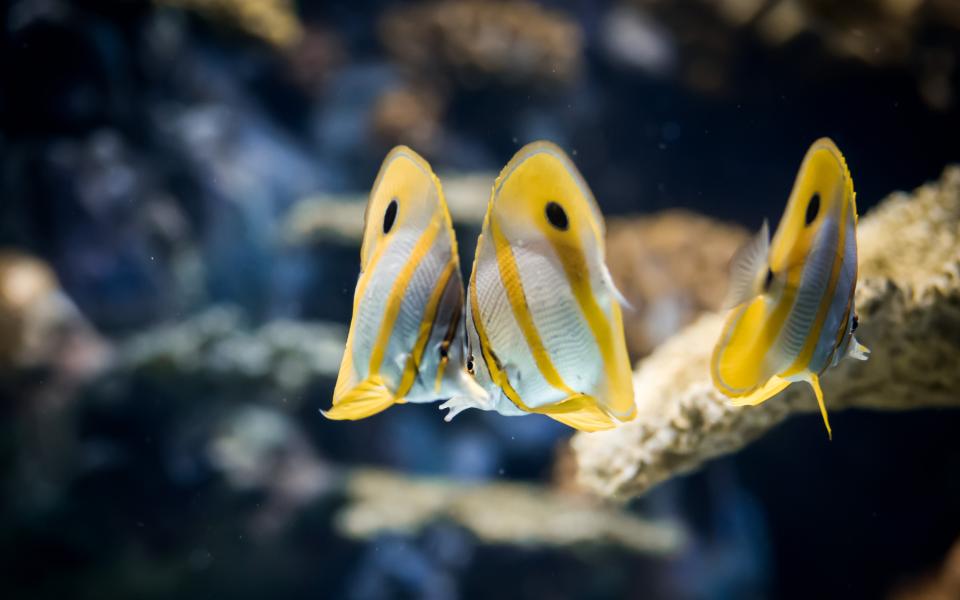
(812, 209)
(768, 280)
(390, 216)
(557, 216)
(444, 350)
(856, 323)
(470, 365)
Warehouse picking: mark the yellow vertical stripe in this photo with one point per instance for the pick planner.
(426, 327)
(806, 354)
(398, 291)
(486, 350)
(367, 274)
(512, 284)
(611, 345)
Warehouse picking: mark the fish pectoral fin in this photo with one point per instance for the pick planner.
(365, 399)
(614, 290)
(748, 268)
(457, 404)
(857, 350)
(814, 380)
(771, 388)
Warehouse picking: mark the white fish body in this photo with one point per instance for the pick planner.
(405, 340)
(794, 314)
(544, 328)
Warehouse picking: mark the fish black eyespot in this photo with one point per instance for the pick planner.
(389, 216)
(768, 280)
(812, 209)
(557, 216)
(470, 365)
(855, 324)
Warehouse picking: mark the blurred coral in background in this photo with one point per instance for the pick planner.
(183, 186)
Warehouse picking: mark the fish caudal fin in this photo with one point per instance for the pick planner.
(814, 380)
(748, 268)
(365, 399)
(771, 388)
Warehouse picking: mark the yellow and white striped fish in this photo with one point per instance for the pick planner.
(544, 329)
(405, 342)
(794, 315)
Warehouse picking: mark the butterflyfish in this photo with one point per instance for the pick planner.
(793, 312)
(405, 342)
(543, 322)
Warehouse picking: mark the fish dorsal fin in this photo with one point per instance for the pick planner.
(408, 258)
(749, 269)
(823, 184)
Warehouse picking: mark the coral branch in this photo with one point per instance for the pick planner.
(909, 303)
(497, 513)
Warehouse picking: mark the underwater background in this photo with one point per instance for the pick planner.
(181, 191)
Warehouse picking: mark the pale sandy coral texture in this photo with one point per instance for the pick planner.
(909, 303)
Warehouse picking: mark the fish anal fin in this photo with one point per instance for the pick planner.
(580, 411)
(365, 399)
(814, 380)
(586, 419)
(771, 388)
(749, 268)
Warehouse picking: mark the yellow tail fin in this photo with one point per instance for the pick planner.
(814, 381)
(365, 399)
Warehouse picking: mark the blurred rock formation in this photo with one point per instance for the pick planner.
(702, 41)
(40, 328)
(273, 21)
(218, 346)
(471, 42)
(671, 267)
(339, 218)
(409, 115)
(908, 298)
(467, 45)
(497, 513)
(942, 584)
(48, 351)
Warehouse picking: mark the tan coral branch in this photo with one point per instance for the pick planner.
(497, 513)
(909, 303)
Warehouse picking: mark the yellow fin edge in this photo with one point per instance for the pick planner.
(814, 381)
(771, 388)
(367, 398)
(581, 412)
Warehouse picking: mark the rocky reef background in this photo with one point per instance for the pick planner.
(181, 187)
